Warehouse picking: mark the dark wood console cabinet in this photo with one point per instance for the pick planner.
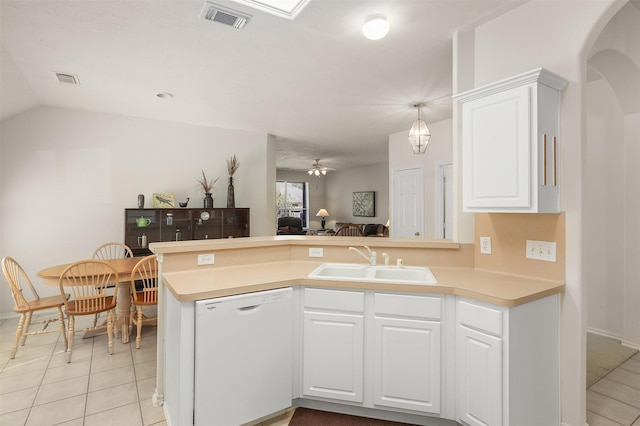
(182, 224)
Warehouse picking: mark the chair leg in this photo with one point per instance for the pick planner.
(63, 332)
(70, 337)
(139, 326)
(132, 320)
(25, 328)
(110, 331)
(14, 349)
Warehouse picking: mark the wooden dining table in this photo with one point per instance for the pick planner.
(52, 274)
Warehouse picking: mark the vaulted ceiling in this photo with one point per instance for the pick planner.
(314, 82)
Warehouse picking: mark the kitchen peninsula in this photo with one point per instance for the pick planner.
(478, 347)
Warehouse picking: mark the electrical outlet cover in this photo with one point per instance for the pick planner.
(485, 245)
(316, 252)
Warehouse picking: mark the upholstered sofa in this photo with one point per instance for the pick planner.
(359, 230)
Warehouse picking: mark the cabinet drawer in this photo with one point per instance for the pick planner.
(480, 317)
(339, 300)
(429, 307)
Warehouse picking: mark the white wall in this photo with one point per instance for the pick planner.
(440, 148)
(66, 177)
(631, 296)
(341, 184)
(554, 35)
(604, 210)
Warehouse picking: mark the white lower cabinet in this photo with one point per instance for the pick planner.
(411, 357)
(333, 356)
(507, 370)
(406, 352)
(397, 335)
(479, 374)
(333, 349)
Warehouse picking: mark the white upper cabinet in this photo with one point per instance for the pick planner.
(510, 144)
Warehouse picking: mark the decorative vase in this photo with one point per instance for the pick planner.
(141, 201)
(208, 200)
(231, 196)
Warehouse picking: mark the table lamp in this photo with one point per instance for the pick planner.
(323, 213)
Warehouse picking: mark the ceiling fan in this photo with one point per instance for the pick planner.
(318, 169)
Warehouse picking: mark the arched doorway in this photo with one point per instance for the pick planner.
(611, 188)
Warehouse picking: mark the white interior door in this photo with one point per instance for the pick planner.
(408, 203)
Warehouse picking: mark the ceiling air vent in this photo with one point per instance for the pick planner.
(232, 18)
(67, 78)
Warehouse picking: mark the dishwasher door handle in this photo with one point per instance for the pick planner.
(248, 309)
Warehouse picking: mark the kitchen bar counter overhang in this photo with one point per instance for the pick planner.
(263, 263)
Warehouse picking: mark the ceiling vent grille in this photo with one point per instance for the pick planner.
(67, 78)
(213, 12)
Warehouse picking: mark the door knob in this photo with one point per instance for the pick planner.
(417, 234)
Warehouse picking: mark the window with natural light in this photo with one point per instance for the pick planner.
(292, 199)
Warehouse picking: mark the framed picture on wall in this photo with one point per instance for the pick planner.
(163, 201)
(364, 203)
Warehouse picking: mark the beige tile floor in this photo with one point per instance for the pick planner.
(615, 399)
(39, 388)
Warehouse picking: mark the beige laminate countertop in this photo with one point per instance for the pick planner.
(499, 289)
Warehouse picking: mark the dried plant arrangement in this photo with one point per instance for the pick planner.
(232, 165)
(207, 185)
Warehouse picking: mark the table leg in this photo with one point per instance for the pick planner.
(123, 309)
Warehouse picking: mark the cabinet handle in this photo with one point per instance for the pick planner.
(544, 161)
(555, 161)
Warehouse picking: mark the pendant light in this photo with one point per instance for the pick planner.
(419, 134)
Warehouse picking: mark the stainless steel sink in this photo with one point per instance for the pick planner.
(380, 273)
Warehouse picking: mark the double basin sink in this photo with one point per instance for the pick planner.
(379, 273)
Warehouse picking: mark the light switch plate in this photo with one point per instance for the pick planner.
(316, 252)
(206, 259)
(541, 250)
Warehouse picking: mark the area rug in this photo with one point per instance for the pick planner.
(604, 354)
(309, 417)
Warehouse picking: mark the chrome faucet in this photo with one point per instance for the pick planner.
(372, 258)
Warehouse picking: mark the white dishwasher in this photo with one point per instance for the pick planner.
(243, 357)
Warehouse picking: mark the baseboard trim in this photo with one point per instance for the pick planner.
(604, 333)
(9, 315)
(623, 342)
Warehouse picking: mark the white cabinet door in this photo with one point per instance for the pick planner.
(496, 149)
(333, 355)
(510, 144)
(479, 377)
(406, 360)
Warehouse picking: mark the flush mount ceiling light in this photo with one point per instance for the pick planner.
(375, 27)
(317, 169)
(419, 134)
